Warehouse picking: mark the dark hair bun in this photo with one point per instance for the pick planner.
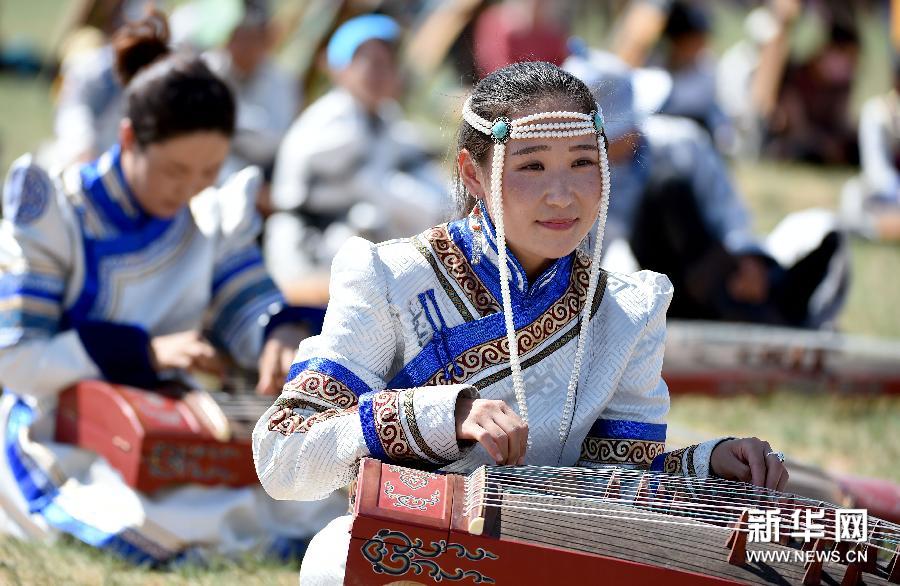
(137, 44)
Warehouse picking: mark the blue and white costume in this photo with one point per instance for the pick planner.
(88, 278)
(414, 323)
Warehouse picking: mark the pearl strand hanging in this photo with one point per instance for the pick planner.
(511, 336)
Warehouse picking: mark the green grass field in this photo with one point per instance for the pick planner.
(843, 434)
(71, 562)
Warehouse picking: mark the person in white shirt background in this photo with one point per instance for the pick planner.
(351, 163)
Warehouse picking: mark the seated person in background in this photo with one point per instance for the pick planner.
(692, 64)
(89, 102)
(448, 338)
(267, 97)
(351, 164)
(88, 109)
(747, 72)
(871, 202)
(115, 269)
(677, 212)
(811, 120)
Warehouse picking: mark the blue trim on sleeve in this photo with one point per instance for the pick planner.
(236, 308)
(18, 319)
(334, 370)
(36, 487)
(367, 419)
(621, 429)
(238, 263)
(31, 285)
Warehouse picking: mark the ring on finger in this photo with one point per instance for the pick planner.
(779, 455)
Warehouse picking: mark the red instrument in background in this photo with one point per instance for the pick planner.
(534, 525)
(158, 439)
(720, 358)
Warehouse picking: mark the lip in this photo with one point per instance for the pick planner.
(558, 223)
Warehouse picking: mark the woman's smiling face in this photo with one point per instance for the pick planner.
(551, 191)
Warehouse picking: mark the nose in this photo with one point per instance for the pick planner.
(559, 193)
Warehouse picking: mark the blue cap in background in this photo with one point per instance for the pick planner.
(356, 31)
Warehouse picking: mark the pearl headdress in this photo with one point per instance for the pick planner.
(502, 130)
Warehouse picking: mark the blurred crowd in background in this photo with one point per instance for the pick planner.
(342, 104)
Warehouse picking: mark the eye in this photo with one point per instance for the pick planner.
(583, 163)
(534, 166)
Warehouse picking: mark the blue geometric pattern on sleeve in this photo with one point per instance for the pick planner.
(26, 195)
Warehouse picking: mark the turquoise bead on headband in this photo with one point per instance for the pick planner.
(500, 129)
(598, 121)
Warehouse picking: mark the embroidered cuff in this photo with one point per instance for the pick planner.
(432, 411)
(279, 314)
(619, 452)
(622, 443)
(122, 352)
(690, 461)
(413, 424)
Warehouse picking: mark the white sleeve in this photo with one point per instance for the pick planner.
(875, 151)
(87, 88)
(411, 200)
(642, 395)
(38, 234)
(283, 249)
(632, 430)
(289, 177)
(335, 408)
(243, 294)
(326, 140)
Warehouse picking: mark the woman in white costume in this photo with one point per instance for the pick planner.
(351, 163)
(113, 269)
(494, 339)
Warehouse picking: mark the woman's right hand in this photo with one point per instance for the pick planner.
(495, 426)
(187, 351)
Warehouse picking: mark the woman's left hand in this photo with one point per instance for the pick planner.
(749, 460)
(277, 356)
